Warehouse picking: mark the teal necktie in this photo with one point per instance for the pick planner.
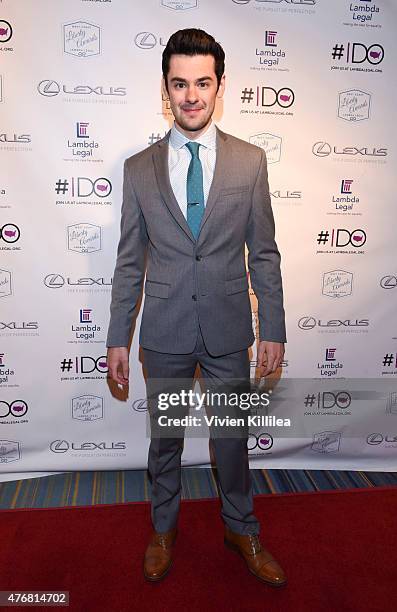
(194, 189)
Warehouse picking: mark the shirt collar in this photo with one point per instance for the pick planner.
(207, 139)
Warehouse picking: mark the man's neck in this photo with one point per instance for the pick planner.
(193, 135)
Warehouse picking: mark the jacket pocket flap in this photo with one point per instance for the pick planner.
(239, 189)
(236, 285)
(156, 289)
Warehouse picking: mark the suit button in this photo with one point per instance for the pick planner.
(194, 297)
(199, 257)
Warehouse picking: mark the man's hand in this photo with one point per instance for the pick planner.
(118, 365)
(270, 356)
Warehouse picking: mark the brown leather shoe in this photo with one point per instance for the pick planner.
(259, 561)
(158, 558)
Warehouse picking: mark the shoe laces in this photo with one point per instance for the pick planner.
(162, 541)
(255, 544)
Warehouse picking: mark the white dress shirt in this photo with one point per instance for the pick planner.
(179, 159)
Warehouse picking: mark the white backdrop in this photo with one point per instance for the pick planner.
(310, 81)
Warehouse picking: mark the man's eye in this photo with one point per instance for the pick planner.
(204, 84)
(179, 85)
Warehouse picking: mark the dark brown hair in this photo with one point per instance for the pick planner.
(193, 41)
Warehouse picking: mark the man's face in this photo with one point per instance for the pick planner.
(193, 90)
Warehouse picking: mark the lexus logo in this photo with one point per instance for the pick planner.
(375, 438)
(145, 40)
(307, 323)
(48, 88)
(140, 405)
(321, 149)
(59, 446)
(389, 282)
(54, 281)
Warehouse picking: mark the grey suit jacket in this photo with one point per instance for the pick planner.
(203, 282)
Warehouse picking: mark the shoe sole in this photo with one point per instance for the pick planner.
(235, 549)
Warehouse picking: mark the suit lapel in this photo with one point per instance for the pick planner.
(221, 167)
(160, 159)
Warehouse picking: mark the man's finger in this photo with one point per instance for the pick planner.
(125, 369)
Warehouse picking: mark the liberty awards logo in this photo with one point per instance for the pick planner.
(10, 450)
(268, 55)
(337, 284)
(270, 143)
(354, 105)
(5, 283)
(84, 238)
(326, 442)
(87, 408)
(180, 5)
(81, 39)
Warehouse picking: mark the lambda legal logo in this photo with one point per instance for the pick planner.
(330, 354)
(346, 186)
(81, 129)
(85, 315)
(270, 38)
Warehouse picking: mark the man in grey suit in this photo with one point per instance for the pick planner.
(191, 202)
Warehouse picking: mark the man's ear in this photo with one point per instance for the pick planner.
(221, 88)
(164, 89)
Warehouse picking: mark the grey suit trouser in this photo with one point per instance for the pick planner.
(231, 453)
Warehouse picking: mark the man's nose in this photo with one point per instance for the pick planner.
(191, 94)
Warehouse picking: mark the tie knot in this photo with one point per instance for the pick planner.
(193, 148)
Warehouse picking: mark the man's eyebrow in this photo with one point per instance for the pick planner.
(181, 80)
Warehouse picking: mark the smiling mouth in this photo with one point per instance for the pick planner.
(191, 110)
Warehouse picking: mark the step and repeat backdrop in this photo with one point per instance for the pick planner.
(313, 83)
